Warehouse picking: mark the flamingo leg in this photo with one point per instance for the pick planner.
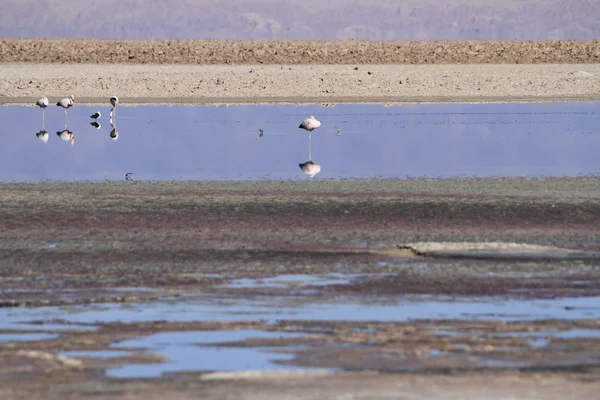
(43, 118)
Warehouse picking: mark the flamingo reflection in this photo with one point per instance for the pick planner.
(67, 136)
(43, 135)
(114, 135)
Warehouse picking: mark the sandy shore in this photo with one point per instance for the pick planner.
(143, 84)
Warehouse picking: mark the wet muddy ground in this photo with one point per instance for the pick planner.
(181, 288)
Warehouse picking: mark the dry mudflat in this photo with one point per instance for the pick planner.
(74, 243)
(178, 235)
(322, 72)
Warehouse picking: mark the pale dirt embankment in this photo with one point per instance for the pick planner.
(310, 72)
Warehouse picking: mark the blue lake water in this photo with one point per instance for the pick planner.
(189, 351)
(403, 308)
(209, 142)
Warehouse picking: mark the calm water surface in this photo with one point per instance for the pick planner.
(208, 142)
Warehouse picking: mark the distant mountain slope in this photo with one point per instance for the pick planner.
(303, 19)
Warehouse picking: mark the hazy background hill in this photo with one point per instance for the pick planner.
(303, 19)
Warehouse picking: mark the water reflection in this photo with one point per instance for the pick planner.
(310, 168)
(207, 142)
(67, 136)
(114, 135)
(43, 135)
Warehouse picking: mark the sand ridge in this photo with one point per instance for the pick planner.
(216, 52)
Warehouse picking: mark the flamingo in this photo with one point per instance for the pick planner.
(310, 124)
(67, 136)
(96, 115)
(310, 168)
(66, 103)
(95, 124)
(42, 103)
(114, 101)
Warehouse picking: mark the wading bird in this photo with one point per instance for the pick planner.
(128, 176)
(262, 133)
(66, 103)
(96, 115)
(95, 124)
(310, 168)
(42, 103)
(339, 131)
(310, 124)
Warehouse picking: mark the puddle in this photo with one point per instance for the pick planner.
(286, 280)
(5, 324)
(188, 351)
(94, 354)
(25, 337)
(133, 289)
(381, 309)
(207, 142)
(568, 334)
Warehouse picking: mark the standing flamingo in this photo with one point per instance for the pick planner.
(114, 101)
(310, 168)
(310, 124)
(66, 103)
(42, 103)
